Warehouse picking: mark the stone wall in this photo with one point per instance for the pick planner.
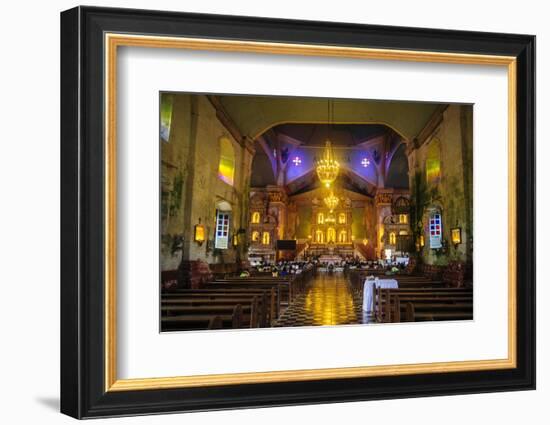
(191, 186)
(453, 191)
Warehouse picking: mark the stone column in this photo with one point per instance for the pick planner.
(383, 203)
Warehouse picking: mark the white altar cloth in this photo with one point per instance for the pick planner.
(368, 291)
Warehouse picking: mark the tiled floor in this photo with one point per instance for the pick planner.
(328, 301)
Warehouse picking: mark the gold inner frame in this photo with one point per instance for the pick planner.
(113, 41)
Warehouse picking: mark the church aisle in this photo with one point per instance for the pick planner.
(328, 301)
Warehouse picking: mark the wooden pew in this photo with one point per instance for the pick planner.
(273, 288)
(256, 305)
(204, 320)
(247, 313)
(423, 304)
(294, 284)
(196, 322)
(284, 286)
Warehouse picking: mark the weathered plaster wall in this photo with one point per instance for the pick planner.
(193, 153)
(454, 189)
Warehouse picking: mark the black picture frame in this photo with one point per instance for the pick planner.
(83, 392)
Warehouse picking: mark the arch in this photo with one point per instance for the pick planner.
(226, 167)
(331, 235)
(266, 238)
(343, 236)
(393, 238)
(262, 174)
(406, 118)
(397, 175)
(319, 236)
(320, 218)
(223, 206)
(255, 217)
(342, 218)
(255, 236)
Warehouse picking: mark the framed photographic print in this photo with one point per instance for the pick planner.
(261, 212)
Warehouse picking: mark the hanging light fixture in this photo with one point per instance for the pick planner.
(327, 167)
(331, 201)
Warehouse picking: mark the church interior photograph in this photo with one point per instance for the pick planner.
(298, 211)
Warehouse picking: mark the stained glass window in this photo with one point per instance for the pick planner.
(226, 169)
(166, 106)
(433, 162)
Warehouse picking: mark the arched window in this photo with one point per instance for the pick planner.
(392, 238)
(226, 168)
(433, 162)
(342, 218)
(403, 218)
(255, 217)
(319, 237)
(265, 238)
(320, 218)
(166, 106)
(331, 235)
(223, 215)
(436, 230)
(342, 236)
(255, 236)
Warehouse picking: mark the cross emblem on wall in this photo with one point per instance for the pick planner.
(365, 162)
(297, 161)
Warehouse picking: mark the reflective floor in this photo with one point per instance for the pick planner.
(328, 301)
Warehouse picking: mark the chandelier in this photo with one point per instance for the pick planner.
(331, 201)
(327, 167)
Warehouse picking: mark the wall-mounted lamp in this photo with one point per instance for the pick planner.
(235, 239)
(365, 241)
(421, 241)
(200, 233)
(456, 236)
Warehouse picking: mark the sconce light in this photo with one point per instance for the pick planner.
(365, 241)
(421, 241)
(456, 236)
(235, 239)
(200, 233)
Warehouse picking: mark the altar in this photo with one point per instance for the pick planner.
(368, 291)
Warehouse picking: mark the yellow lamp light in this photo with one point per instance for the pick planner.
(327, 167)
(200, 233)
(331, 201)
(456, 236)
